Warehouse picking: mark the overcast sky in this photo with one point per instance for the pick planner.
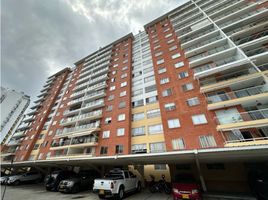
(40, 37)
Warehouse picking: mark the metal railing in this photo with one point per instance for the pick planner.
(94, 94)
(263, 67)
(256, 51)
(237, 94)
(241, 117)
(251, 37)
(214, 64)
(209, 52)
(228, 76)
(80, 128)
(81, 117)
(203, 43)
(246, 140)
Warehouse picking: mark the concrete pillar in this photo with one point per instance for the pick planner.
(202, 180)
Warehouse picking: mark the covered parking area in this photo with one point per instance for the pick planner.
(217, 170)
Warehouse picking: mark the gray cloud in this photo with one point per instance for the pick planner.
(41, 37)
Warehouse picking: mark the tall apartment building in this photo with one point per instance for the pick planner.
(195, 80)
(13, 105)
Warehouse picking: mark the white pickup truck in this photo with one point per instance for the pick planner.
(116, 183)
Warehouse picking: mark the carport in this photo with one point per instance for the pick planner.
(196, 157)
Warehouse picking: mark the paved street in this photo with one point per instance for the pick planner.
(38, 192)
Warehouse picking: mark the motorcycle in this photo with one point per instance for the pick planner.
(159, 186)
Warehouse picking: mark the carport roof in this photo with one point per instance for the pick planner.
(230, 154)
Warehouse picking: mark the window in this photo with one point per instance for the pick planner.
(103, 150)
(177, 55)
(112, 88)
(182, 75)
(112, 80)
(207, 141)
(138, 116)
(162, 70)
(187, 86)
(111, 97)
(173, 48)
(170, 41)
(108, 120)
(193, 101)
(160, 167)
(157, 147)
(167, 92)
(158, 62)
(119, 149)
(199, 119)
(124, 93)
(120, 132)
(155, 129)
(109, 108)
(114, 72)
(121, 117)
(115, 65)
(122, 104)
(174, 123)
(179, 64)
(138, 131)
(149, 69)
(148, 79)
(164, 81)
(137, 92)
(153, 113)
(168, 35)
(137, 103)
(178, 144)
(150, 88)
(158, 53)
(124, 75)
(151, 99)
(123, 84)
(139, 148)
(105, 134)
(124, 68)
(170, 106)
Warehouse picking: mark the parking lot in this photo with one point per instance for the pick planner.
(38, 192)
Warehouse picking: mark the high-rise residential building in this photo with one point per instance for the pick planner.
(13, 105)
(191, 87)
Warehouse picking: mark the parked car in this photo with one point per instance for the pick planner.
(3, 178)
(31, 176)
(116, 183)
(258, 181)
(81, 181)
(186, 187)
(53, 179)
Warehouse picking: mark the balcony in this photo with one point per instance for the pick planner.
(257, 51)
(90, 96)
(88, 116)
(94, 87)
(18, 135)
(70, 155)
(79, 130)
(218, 7)
(244, 120)
(190, 50)
(83, 141)
(209, 52)
(252, 37)
(90, 82)
(229, 78)
(249, 95)
(14, 142)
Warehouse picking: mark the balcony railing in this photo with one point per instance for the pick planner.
(89, 89)
(246, 140)
(263, 67)
(241, 117)
(195, 36)
(226, 77)
(209, 52)
(204, 43)
(256, 51)
(74, 141)
(214, 64)
(94, 94)
(251, 37)
(237, 94)
(81, 117)
(81, 128)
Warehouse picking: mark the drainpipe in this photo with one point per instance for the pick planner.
(203, 184)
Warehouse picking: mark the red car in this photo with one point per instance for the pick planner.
(185, 187)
